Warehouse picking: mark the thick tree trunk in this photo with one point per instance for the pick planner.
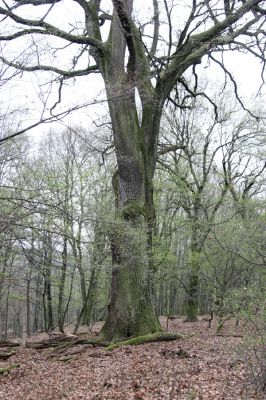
(130, 312)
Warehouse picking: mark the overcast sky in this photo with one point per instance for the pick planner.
(24, 90)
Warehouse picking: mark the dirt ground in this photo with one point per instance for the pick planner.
(201, 367)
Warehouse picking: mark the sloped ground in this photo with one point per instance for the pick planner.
(202, 367)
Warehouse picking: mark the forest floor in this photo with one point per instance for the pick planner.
(203, 366)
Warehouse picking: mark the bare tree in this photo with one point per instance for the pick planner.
(129, 63)
(205, 171)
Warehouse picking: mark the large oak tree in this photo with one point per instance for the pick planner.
(134, 58)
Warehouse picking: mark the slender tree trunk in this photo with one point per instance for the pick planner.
(192, 301)
(77, 252)
(194, 263)
(50, 318)
(62, 281)
(24, 320)
(6, 312)
(85, 320)
(193, 281)
(44, 307)
(48, 283)
(89, 301)
(37, 307)
(28, 308)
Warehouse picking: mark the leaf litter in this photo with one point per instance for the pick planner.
(202, 366)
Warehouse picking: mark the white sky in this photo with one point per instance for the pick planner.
(24, 90)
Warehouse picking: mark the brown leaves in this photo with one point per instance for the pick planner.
(201, 367)
(179, 352)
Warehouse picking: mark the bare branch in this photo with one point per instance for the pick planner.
(228, 73)
(168, 149)
(64, 73)
(155, 29)
(48, 29)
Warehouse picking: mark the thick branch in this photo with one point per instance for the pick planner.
(170, 148)
(198, 45)
(64, 73)
(155, 29)
(138, 65)
(48, 29)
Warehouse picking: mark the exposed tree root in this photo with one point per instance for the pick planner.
(4, 355)
(9, 368)
(61, 345)
(152, 337)
(66, 359)
(53, 341)
(66, 346)
(9, 343)
(98, 341)
(67, 351)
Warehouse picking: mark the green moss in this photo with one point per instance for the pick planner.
(9, 368)
(132, 210)
(152, 337)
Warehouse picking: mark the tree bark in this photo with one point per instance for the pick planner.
(61, 313)
(193, 280)
(130, 312)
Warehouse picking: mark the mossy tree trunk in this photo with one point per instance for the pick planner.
(131, 311)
